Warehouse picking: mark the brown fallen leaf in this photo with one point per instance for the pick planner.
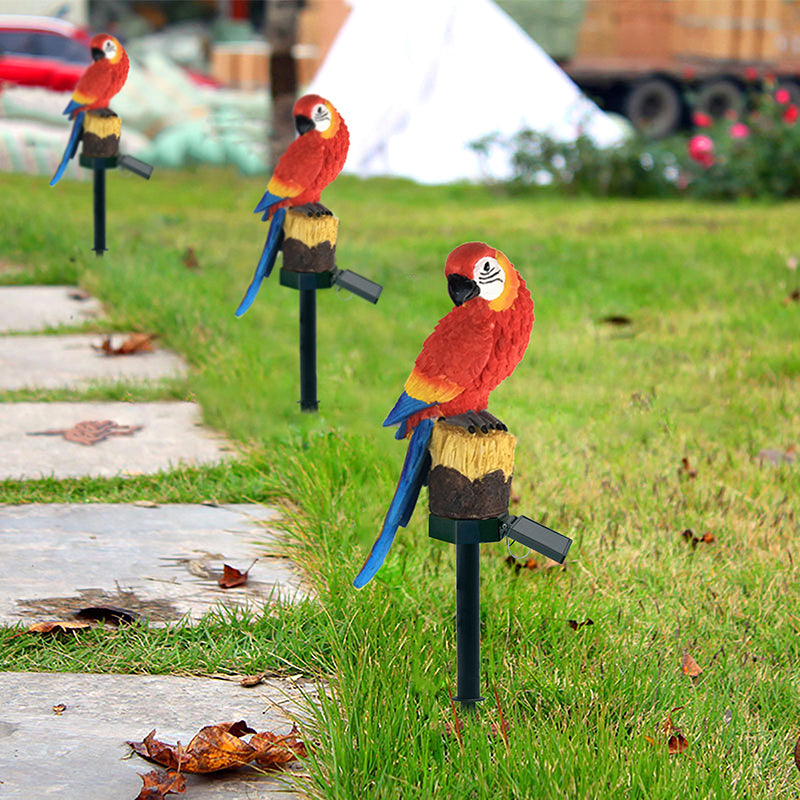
(233, 577)
(686, 469)
(792, 297)
(189, 258)
(252, 680)
(218, 747)
(57, 626)
(690, 667)
(676, 741)
(158, 784)
(706, 538)
(135, 343)
(797, 754)
(574, 624)
(59, 709)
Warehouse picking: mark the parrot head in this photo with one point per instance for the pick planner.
(476, 270)
(315, 113)
(104, 45)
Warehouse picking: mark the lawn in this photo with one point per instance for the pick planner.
(706, 368)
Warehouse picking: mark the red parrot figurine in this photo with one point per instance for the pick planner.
(102, 80)
(309, 164)
(470, 352)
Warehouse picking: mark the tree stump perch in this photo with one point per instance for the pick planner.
(101, 132)
(309, 243)
(470, 473)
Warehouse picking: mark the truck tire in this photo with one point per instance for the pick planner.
(718, 96)
(654, 107)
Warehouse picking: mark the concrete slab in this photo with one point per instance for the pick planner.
(54, 362)
(171, 434)
(81, 753)
(33, 308)
(161, 562)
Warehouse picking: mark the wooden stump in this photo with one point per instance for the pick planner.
(309, 243)
(470, 474)
(101, 132)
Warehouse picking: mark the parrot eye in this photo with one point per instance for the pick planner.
(321, 117)
(109, 48)
(489, 276)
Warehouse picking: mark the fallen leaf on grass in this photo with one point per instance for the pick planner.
(690, 667)
(797, 754)
(686, 469)
(57, 626)
(252, 680)
(59, 709)
(531, 563)
(792, 297)
(574, 624)
(676, 741)
(218, 747)
(158, 784)
(189, 258)
(706, 538)
(135, 343)
(233, 577)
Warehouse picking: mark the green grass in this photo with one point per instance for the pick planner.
(709, 370)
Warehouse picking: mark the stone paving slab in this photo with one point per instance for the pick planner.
(33, 308)
(162, 562)
(172, 434)
(55, 362)
(81, 753)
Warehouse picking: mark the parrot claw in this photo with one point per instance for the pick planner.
(474, 420)
(314, 210)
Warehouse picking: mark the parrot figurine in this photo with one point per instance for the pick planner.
(101, 81)
(475, 347)
(309, 164)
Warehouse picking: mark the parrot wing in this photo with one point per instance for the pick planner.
(452, 358)
(401, 508)
(266, 262)
(71, 148)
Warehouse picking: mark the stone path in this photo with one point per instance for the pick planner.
(32, 308)
(56, 362)
(160, 562)
(81, 753)
(171, 434)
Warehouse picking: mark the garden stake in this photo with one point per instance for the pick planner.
(305, 230)
(464, 453)
(98, 127)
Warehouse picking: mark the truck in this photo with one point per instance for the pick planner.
(644, 58)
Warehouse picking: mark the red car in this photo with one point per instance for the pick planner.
(42, 51)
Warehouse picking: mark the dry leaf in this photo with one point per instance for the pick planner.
(574, 624)
(792, 297)
(706, 538)
(189, 258)
(797, 754)
(676, 743)
(690, 667)
(252, 680)
(218, 747)
(158, 784)
(233, 577)
(135, 343)
(57, 626)
(686, 469)
(59, 709)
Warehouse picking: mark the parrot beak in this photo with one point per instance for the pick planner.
(461, 289)
(303, 124)
(97, 54)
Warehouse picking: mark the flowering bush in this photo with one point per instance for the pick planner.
(755, 156)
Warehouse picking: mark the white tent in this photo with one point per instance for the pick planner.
(418, 80)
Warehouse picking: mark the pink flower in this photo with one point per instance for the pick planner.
(783, 96)
(701, 119)
(701, 150)
(751, 74)
(791, 114)
(739, 131)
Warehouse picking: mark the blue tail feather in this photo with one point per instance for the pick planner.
(71, 148)
(401, 508)
(404, 408)
(266, 203)
(266, 262)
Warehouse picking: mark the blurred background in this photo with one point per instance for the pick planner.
(434, 91)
